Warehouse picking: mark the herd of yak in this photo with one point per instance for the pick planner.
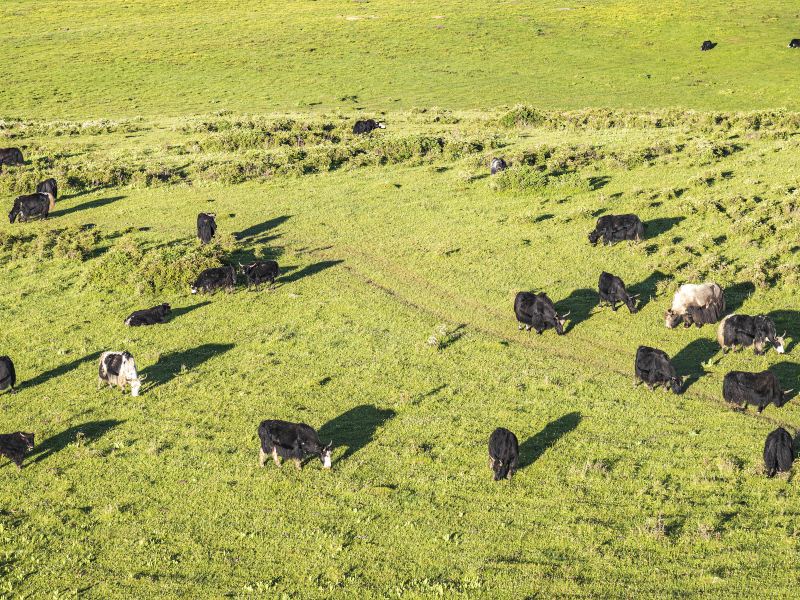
(691, 305)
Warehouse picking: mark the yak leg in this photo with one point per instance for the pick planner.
(262, 457)
(275, 456)
(298, 463)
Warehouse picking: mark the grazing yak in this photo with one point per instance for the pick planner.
(8, 376)
(744, 331)
(653, 367)
(795, 43)
(695, 304)
(536, 311)
(778, 452)
(260, 271)
(612, 290)
(32, 205)
(366, 126)
(149, 316)
(48, 186)
(503, 453)
(616, 228)
(119, 368)
(14, 446)
(761, 389)
(11, 157)
(206, 227)
(215, 278)
(282, 439)
(498, 164)
(707, 45)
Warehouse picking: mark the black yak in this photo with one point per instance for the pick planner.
(616, 228)
(745, 331)
(260, 271)
(32, 205)
(696, 304)
(707, 45)
(282, 439)
(653, 367)
(367, 125)
(536, 311)
(778, 452)
(8, 375)
(14, 446)
(215, 278)
(498, 164)
(206, 227)
(760, 389)
(11, 157)
(149, 316)
(503, 453)
(48, 186)
(612, 290)
(795, 43)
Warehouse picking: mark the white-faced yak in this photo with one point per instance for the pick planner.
(743, 331)
(617, 228)
(760, 389)
(503, 453)
(119, 369)
(8, 375)
(653, 367)
(778, 452)
(14, 446)
(295, 441)
(366, 126)
(612, 290)
(695, 304)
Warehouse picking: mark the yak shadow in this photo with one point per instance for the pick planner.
(256, 230)
(788, 321)
(89, 432)
(309, 270)
(87, 206)
(646, 289)
(545, 217)
(182, 310)
(788, 374)
(656, 227)
(689, 361)
(60, 370)
(735, 295)
(170, 365)
(579, 305)
(532, 449)
(82, 193)
(595, 183)
(354, 428)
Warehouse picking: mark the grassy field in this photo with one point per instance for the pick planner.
(392, 332)
(391, 329)
(85, 59)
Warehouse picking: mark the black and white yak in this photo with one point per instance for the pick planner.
(503, 453)
(119, 369)
(367, 126)
(295, 441)
(612, 290)
(617, 228)
(695, 304)
(14, 446)
(498, 165)
(744, 331)
(795, 43)
(760, 389)
(32, 205)
(8, 375)
(149, 316)
(536, 311)
(778, 452)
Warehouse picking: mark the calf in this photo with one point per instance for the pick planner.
(366, 126)
(498, 164)
(119, 368)
(761, 389)
(795, 43)
(653, 367)
(11, 157)
(778, 452)
(150, 316)
(14, 446)
(260, 271)
(282, 439)
(536, 311)
(616, 228)
(206, 227)
(744, 331)
(707, 45)
(32, 205)
(503, 453)
(48, 186)
(214, 279)
(695, 304)
(612, 290)
(8, 375)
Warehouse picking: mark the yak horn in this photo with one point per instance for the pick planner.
(788, 391)
(784, 334)
(566, 314)
(635, 295)
(142, 377)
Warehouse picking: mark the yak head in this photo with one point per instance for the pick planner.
(784, 398)
(27, 439)
(594, 236)
(631, 302)
(128, 370)
(672, 318)
(325, 455)
(676, 384)
(560, 321)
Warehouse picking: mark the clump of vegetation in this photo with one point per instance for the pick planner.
(76, 242)
(520, 178)
(522, 116)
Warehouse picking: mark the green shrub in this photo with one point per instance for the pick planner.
(519, 178)
(522, 116)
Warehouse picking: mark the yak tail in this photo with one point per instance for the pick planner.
(52, 200)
